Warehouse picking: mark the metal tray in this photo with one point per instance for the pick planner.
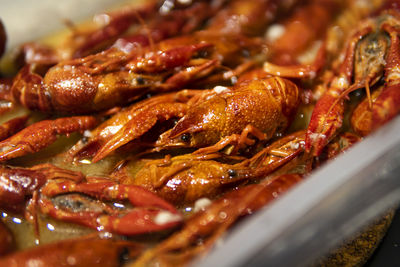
(330, 205)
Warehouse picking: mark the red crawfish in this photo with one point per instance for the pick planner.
(80, 252)
(372, 52)
(132, 123)
(259, 107)
(210, 118)
(70, 196)
(155, 25)
(85, 42)
(158, 20)
(114, 77)
(41, 134)
(304, 27)
(169, 23)
(185, 178)
(202, 230)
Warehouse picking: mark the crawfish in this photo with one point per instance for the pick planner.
(80, 252)
(41, 134)
(170, 23)
(303, 30)
(157, 26)
(114, 77)
(131, 123)
(70, 196)
(83, 43)
(372, 53)
(306, 25)
(202, 230)
(185, 178)
(260, 107)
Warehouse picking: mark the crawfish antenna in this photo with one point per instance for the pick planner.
(146, 28)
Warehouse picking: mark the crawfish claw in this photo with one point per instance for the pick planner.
(41, 134)
(150, 214)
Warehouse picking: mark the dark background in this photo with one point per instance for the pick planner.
(388, 252)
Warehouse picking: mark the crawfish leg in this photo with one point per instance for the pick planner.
(361, 118)
(387, 105)
(182, 78)
(236, 140)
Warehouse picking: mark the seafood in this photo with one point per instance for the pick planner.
(208, 225)
(261, 107)
(131, 123)
(70, 196)
(113, 77)
(85, 251)
(184, 127)
(369, 54)
(186, 178)
(118, 22)
(41, 134)
(306, 25)
(145, 217)
(158, 26)
(361, 118)
(168, 24)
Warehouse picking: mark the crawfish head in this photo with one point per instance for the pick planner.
(370, 58)
(266, 104)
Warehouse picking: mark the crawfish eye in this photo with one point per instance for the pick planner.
(185, 137)
(85, 139)
(140, 80)
(245, 53)
(232, 173)
(124, 256)
(203, 54)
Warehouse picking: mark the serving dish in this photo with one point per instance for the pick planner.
(314, 208)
